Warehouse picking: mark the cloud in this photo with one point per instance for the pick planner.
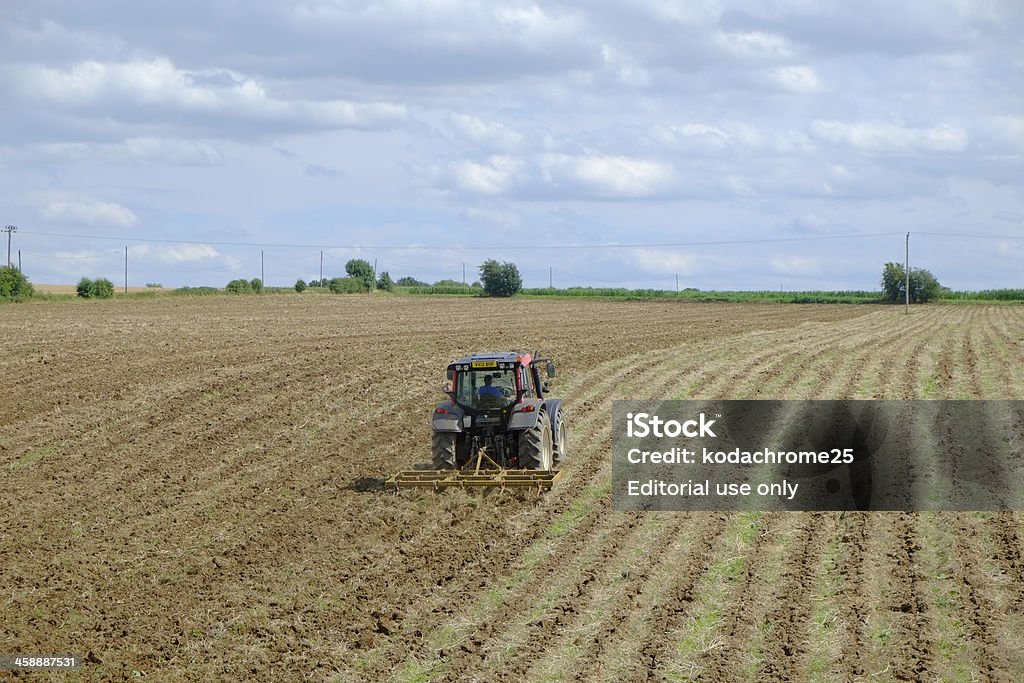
(318, 171)
(797, 79)
(1010, 129)
(887, 137)
(795, 265)
(107, 214)
(186, 253)
(152, 151)
(702, 138)
(1008, 216)
(488, 134)
(492, 177)
(663, 262)
(606, 176)
(811, 224)
(121, 90)
(755, 45)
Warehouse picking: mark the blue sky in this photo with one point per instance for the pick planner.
(425, 135)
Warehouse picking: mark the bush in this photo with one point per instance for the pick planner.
(385, 282)
(346, 285)
(13, 284)
(362, 271)
(238, 287)
(300, 285)
(410, 282)
(500, 279)
(100, 288)
(256, 284)
(154, 285)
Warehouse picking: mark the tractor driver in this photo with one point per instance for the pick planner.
(488, 390)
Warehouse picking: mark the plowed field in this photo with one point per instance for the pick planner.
(193, 490)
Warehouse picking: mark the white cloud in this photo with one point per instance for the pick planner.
(606, 175)
(698, 138)
(147, 150)
(492, 177)
(797, 79)
(211, 92)
(485, 133)
(1010, 129)
(176, 253)
(664, 262)
(755, 44)
(795, 265)
(89, 212)
(187, 253)
(626, 69)
(888, 137)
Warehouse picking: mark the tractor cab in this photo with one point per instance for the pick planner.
(487, 382)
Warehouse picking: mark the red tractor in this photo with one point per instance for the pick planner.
(498, 428)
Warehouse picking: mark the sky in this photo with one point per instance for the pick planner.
(757, 144)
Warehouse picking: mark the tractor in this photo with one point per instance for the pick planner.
(498, 427)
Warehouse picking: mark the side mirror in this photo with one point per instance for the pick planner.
(551, 369)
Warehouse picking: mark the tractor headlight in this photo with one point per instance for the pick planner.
(467, 421)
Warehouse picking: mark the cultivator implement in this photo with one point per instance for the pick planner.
(483, 473)
(541, 480)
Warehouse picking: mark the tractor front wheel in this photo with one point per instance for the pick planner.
(562, 440)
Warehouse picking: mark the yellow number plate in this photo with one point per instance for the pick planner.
(485, 364)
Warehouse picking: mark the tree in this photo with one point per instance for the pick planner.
(238, 287)
(500, 279)
(410, 282)
(923, 285)
(300, 285)
(385, 282)
(14, 284)
(256, 284)
(361, 270)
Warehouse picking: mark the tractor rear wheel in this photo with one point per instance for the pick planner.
(536, 447)
(442, 448)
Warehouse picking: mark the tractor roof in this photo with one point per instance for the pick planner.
(502, 357)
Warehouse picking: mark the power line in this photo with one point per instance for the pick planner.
(412, 247)
(73, 258)
(972, 235)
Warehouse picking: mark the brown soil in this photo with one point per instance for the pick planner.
(194, 491)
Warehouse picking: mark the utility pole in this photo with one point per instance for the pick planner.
(463, 272)
(126, 269)
(9, 229)
(321, 267)
(551, 279)
(677, 283)
(908, 274)
(19, 261)
(263, 277)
